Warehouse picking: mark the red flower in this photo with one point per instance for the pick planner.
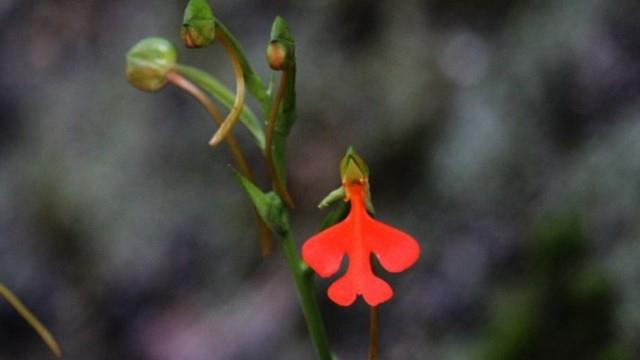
(358, 236)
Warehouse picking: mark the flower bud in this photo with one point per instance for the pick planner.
(280, 51)
(198, 24)
(148, 63)
(277, 56)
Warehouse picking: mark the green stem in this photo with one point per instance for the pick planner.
(303, 279)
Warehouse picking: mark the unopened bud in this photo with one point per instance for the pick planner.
(198, 24)
(148, 63)
(280, 51)
(277, 56)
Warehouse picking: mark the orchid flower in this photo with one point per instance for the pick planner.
(358, 236)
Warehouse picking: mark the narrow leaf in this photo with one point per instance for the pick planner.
(269, 206)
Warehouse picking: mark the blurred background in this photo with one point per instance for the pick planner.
(504, 135)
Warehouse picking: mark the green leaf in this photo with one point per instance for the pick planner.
(269, 206)
(226, 98)
(335, 195)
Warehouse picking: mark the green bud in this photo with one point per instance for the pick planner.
(353, 168)
(148, 63)
(198, 24)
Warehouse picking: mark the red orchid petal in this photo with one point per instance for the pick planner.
(342, 291)
(325, 250)
(395, 249)
(358, 236)
(376, 291)
(345, 290)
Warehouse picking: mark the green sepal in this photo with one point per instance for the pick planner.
(369, 205)
(353, 168)
(270, 208)
(335, 195)
(198, 24)
(226, 97)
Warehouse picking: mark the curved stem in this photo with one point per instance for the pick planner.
(303, 280)
(373, 334)
(234, 114)
(31, 319)
(278, 183)
(175, 78)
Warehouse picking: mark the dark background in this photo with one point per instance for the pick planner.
(504, 135)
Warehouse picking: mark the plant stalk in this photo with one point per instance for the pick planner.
(306, 296)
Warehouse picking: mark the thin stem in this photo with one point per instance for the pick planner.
(307, 298)
(373, 334)
(234, 114)
(175, 78)
(278, 183)
(31, 319)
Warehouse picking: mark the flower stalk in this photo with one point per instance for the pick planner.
(234, 114)
(373, 333)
